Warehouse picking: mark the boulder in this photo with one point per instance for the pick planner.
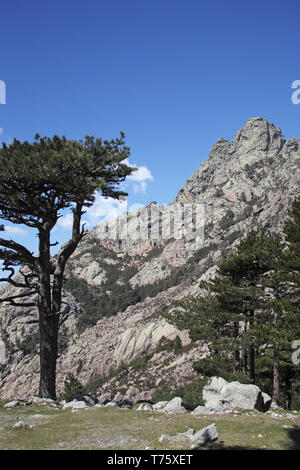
(202, 410)
(246, 396)
(12, 404)
(212, 392)
(174, 406)
(210, 433)
(159, 405)
(222, 396)
(19, 425)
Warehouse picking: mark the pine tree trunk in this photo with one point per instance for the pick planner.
(276, 386)
(49, 301)
(288, 393)
(252, 364)
(244, 361)
(251, 352)
(48, 320)
(237, 354)
(48, 354)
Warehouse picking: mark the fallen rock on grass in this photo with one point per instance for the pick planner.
(12, 404)
(19, 425)
(210, 433)
(207, 434)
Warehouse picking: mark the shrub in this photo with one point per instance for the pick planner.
(163, 393)
(72, 387)
(191, 394)
(166, 344)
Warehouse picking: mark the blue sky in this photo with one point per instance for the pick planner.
(174, 75)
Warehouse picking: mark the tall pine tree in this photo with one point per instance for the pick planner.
(37, 181)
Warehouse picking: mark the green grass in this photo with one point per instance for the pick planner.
(115, 429)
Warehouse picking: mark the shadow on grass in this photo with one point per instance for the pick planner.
(223, 447)
(294, 435)
(294, 444)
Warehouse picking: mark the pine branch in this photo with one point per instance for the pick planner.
(15, 283)
(22, 253)
(11, 298)
(77, 234)
(21, 304)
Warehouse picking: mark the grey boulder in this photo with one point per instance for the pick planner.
(174, 406)
(218, 394)
(212, 392)
(245, 396)
(208, 434)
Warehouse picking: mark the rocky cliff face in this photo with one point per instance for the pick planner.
(120, 283)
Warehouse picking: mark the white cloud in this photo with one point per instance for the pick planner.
(141, 174)
(105, 209)
(140, 188)
(139, 178)
(66, 222)
(13, 230)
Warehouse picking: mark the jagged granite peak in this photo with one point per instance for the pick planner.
(249, 181)
(258, 135)
(252, 146)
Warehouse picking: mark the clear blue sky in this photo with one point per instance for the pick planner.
(174, 75)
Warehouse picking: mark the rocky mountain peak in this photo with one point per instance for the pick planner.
(258, 135)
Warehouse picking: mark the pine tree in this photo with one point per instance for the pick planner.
(37, 181)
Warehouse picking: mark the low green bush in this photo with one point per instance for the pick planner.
(191, 394)
(72, 387)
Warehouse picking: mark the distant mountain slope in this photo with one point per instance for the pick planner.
(118, 285)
